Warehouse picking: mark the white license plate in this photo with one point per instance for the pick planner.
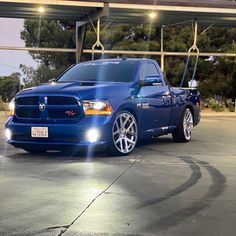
(39, 132)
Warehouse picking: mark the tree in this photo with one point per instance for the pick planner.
(216, 76)
(9, 86)
(29, 75)
(51, 34)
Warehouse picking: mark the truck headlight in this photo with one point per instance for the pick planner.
(97, 107)
(12, 107)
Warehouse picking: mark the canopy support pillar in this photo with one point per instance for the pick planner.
(81, 29)
(162, 50)
(80, 36)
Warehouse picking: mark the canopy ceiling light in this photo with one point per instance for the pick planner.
(152, 15)
(41, 9)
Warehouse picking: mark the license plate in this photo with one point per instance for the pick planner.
(39, 132)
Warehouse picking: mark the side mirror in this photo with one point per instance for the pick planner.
(151, 81)
(51, 80)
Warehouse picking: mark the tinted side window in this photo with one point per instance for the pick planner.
(148, 69)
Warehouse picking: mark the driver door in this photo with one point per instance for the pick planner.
(154, 99)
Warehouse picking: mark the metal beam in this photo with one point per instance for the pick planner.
(158, 53)
(57, 2)
(221, 12)
(95, 15)
(198, 6)
(81, 29)
(38, 49)
(174, 8)
(118, 52)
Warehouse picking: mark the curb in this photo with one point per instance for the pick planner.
(218, 115)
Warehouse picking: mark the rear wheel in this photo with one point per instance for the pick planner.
(183, 133)
(124, 134)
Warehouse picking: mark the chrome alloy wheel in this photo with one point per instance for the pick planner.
(188, 124)
(125, 132)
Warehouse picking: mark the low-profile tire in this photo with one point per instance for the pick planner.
(183, 133)
(124, 134)
(35, 150)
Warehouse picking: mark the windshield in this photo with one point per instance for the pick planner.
(113, 71)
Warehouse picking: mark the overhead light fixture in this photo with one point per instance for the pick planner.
(41, 9)
(152, 15)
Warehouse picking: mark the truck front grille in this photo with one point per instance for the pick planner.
(63, 113)
(27, 113)
(27, 101)
(47, 108)
(62, 101)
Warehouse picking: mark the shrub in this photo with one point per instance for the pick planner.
(1, 104)
(216, 105)
(230, 104)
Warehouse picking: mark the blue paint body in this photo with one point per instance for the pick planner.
(158, 109)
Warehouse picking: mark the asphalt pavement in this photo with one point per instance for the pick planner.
(162, 188)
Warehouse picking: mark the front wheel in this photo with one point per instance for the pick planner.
(183, 133)
(124, 134)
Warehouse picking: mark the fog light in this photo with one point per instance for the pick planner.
(8, 134)
(93, 135)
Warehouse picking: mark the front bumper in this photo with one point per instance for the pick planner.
(61, 136)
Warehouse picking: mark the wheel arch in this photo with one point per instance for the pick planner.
(131, 110)
(134, 113)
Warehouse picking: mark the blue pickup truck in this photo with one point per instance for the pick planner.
(109, 104)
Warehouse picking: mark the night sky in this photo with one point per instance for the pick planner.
(10, 36)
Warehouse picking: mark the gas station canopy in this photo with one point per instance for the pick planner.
(221, 13)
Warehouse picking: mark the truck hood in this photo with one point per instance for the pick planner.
(85, 90)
